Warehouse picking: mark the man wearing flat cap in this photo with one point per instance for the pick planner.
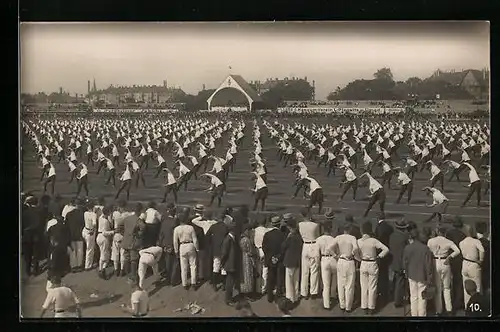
(271, 246)
(456, 235)
(397, 243)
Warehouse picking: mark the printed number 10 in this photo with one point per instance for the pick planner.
(475, 307)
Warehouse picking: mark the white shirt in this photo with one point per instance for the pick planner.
(349, 175)
(66, 209)
(214, 180)
(170, 179)
(90, 219)
(52, 170)
(152, 216)
(473, 177)
(410, 162)
(126, 174)
(184, 234)
(386, 168)
(313, 185)
(438, 197)
(368, 248)
(71, 165)
(403, 178)
(472, 249)
(434, 171)
(259, 183)
(373, 185)
(441, 247)
(83, 172)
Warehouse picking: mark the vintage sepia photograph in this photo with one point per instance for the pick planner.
(255, 169)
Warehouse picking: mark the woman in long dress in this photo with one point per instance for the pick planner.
(249, 256)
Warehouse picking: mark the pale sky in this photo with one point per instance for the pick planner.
(189, 55)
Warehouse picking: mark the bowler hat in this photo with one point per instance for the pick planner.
(401, 224)
(329, 214)
(199, 208)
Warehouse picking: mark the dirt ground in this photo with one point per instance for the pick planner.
(102, 298)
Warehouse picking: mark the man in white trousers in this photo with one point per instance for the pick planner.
(186, 247)
(117, 252)
(309, 282)
(149, 257)
(419, 269)
(348, 251)
(368, 270)
(473, 256)
(441, 248)
(259, 233)
(89, 235)
(326, 243)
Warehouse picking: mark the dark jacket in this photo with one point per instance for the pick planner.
(397, 243)
(56, 208)
(271, 246)
(383, 232)
(60, 233)
(30, 222)
(200, 235)
(133, 233)
(214, 238)
(292, 250)
(151, 233)
(418, 262)
(230, 254)
(166, 236)
(485, 273)
(76, 222)
(455, 235)
(58, 262)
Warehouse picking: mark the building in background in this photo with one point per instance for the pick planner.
(475, 82)
(135, 94)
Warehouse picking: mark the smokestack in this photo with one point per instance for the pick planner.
(60, 90)
(88, 86)
(314, 83)
(203, 87)
(165, 84)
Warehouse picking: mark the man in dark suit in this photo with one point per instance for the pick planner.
(132, 241)
(456, 235)
(398, 240)
(30, 224)
(383, 232)
(214, 238)
(165, 240)
(271, 246)
(292, 256)
(481, 230)
(231, 263)
(200, 236)
(76, 223)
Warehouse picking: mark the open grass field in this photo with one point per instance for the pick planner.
(164, 301)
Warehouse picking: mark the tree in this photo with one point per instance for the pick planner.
(384, 74)
(413, 82)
